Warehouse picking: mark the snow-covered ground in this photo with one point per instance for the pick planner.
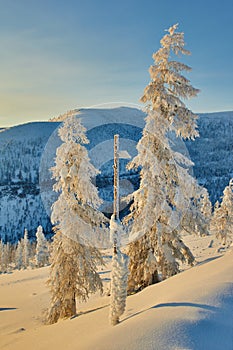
(192, 310)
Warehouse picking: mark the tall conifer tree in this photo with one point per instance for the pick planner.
(73, 273)
(166, 185)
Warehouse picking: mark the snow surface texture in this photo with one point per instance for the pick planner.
(190, 311)
(27, 151)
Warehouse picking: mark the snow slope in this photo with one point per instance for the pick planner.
(192, 310)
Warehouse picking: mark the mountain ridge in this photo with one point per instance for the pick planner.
(27, 152)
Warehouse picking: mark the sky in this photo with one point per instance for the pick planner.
(60, 55)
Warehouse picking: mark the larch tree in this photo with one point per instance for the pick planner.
(222, 220)
(42, 254)
(73, 272)
(166, 185)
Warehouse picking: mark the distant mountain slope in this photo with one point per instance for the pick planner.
(212, 152)
(21, 207)
(27, 152)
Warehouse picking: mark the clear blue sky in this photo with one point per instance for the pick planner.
(59, 55)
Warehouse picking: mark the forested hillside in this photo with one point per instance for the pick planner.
(25, 184)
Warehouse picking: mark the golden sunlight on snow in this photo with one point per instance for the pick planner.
(153, 316)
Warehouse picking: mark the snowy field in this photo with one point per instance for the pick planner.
(192, 310)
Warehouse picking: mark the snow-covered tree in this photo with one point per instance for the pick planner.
(42, 254)
(73, 276)
(205, 204)
(5, 257)
(19, 255)
(1, 256)
(73, 272)
(166, 185)
(26, 249)
(119, 278)
(222, 220)
(206, 210)
(198, 214)
(119, 274)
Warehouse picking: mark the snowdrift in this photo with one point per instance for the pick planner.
(192, 310)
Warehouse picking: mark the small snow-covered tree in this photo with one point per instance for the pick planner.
(119, 278)
(5, 257)
(205, 204)
(166, 185)
(1, 257)
(26, 249)
(206, 210)
(73, 272)
(119, 274)
(42, 255)
(198, 214)
(222, 220)
(19, 255)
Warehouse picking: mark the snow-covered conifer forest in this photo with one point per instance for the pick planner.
(22, 149)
